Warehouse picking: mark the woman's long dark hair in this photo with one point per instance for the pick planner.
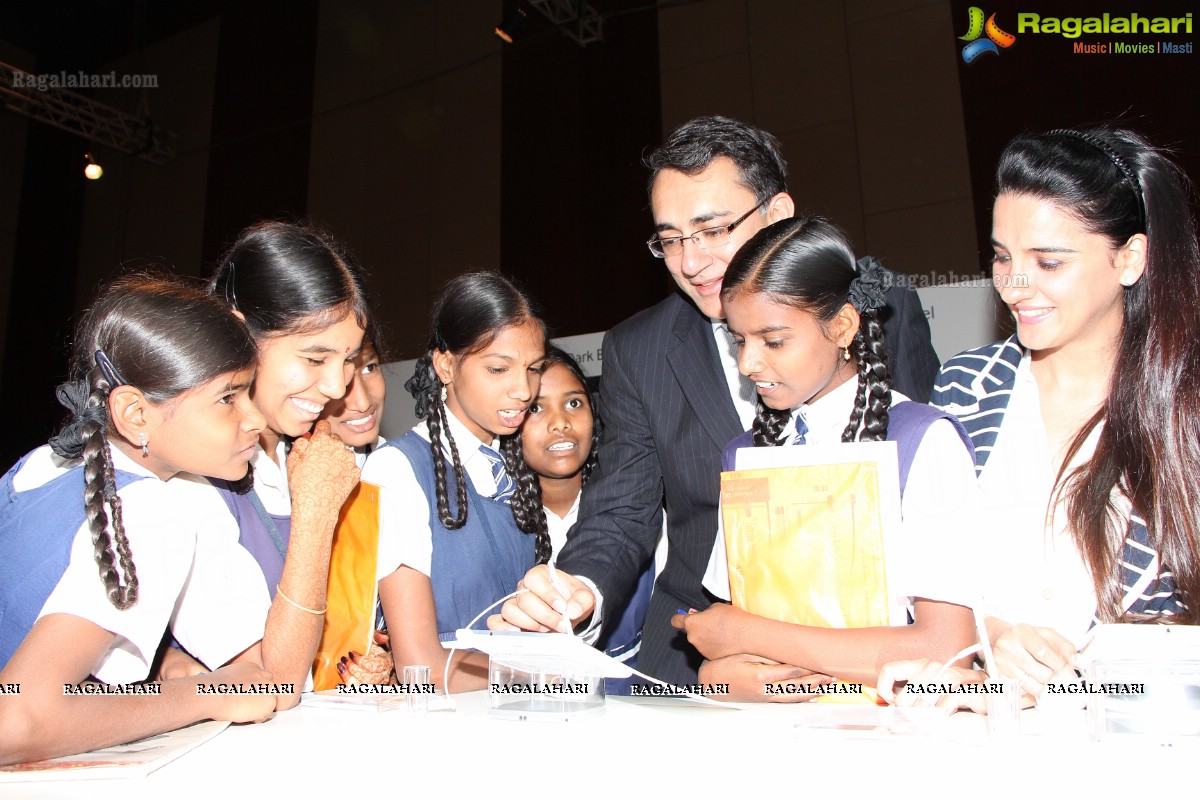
(807, 263)
(468, 314)
(163, 337)
(527, 502)
(1116, 185)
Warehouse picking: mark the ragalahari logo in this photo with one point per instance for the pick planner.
(995, 40)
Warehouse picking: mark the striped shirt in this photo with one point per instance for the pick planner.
(977, 387)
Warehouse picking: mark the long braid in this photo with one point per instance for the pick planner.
(873, 399)
(860, 395)
(593, 455)
(770, 425)
(100, 487)
(527, 498)
(437, 421)
(426, 388)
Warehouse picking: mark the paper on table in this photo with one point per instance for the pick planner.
(134, 760)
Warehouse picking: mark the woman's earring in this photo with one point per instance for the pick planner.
(142, 437)
(845, 354)
(443, 392)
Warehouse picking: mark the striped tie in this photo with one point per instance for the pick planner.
(801, 429)
(504, 484)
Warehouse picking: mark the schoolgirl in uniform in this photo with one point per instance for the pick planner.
(305, 303)
(559, 440)
(806, 325)
(1084, 422)
(450, 543)
(101, 533)
(355, 417)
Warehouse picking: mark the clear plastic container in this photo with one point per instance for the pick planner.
(543, 689)
(1160, 700)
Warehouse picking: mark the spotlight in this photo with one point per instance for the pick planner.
(513, 23)
(93, 171)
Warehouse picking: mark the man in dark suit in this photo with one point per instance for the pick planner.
(671, 398)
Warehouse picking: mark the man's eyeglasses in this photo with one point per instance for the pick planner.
(708, 238)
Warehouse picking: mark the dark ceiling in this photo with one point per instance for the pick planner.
(83, 34)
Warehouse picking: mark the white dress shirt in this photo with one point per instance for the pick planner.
(741, 388)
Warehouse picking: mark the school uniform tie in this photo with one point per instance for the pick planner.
(801, 429)
(505, 486)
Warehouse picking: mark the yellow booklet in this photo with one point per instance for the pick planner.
(352, 592)
(806, 531)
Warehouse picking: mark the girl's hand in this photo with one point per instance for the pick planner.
(321, 474)
(748, 677)
(713, 631)
(925, 673)
(239, 707)
(1029, 655)
(376, 666)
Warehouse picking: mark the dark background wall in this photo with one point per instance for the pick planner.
(431, 148)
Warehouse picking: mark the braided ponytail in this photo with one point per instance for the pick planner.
(874, 397)
(426, 388)
(100, 487)
(527, 498)
(770, 425)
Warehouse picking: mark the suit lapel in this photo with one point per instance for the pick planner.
(697, 367)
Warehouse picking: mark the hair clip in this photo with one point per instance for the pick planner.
(230, 291)
(110, 372)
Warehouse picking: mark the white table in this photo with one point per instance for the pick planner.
(695, 751)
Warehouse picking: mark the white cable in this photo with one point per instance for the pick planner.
(453, 650)
(966, 651)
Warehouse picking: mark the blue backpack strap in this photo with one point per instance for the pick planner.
(907, 423)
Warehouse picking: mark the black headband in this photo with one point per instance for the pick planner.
(1117, 160)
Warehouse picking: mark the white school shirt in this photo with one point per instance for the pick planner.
(271, 481)
(183, 541)
(935, 554)
(361, 453)
(1033, 574)
(558, 526)
(405, 538)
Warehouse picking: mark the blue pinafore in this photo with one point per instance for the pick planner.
(476, 565)
(37, 529)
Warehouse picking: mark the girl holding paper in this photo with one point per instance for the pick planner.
(806, 325)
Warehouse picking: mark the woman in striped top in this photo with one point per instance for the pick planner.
(1085, 422)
